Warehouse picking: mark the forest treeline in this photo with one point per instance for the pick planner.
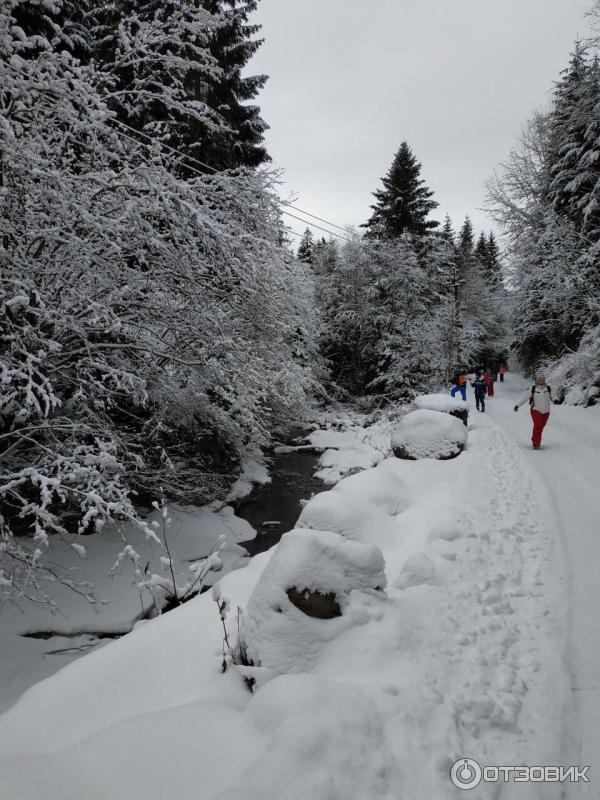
(405, 304)
(156, 325)
(546, 197)
(153, 328)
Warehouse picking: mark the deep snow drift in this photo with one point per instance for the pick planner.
(461, 655)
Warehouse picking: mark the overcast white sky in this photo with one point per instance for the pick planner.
(350, 79)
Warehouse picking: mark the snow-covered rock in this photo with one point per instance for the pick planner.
(276, 634)
(428, 434)
(440, 402)
(381, 486)
(444, 403)
(339, 513)
(360, 507)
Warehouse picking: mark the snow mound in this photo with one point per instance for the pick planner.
(339, 513)
(308, 757)
(445, 531)
(348, 450)
(361, 507)
(440, 402)
(381, 486)
(417, 570)
(275, 634)
(429, 434)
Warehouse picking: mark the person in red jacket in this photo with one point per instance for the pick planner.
(502, 372)
(540, 399)
(489, 382)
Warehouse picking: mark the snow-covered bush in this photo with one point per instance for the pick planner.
(309, 570)
(575, 378)
(152, 328)
(429, 434)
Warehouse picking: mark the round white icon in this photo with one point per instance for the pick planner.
(466, 773)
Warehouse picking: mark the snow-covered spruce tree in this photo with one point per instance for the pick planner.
(306, 247)
(232, 92)
(411, 308)
(156, 66)
(574, 191)
(175, 70)
(151, 328)
(60, 23)
(404, 203)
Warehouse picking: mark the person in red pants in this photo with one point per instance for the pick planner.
(540, 399)
(489, 382)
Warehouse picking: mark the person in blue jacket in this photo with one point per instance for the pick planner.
(459, 384)
(480, 388)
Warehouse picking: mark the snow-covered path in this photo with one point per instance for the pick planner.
(568, 467)
(484, 645)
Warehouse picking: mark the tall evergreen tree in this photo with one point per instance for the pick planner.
(60, 24)
(173, 68)
(231, 93)
(487, 255)
(465, 247)
(574, 190)
(447, 231)
(481, 249)
(150, 53)
(306, 247)
(404, 203)
(494, 263)
(466, 237)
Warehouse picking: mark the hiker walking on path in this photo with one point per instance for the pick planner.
(502, 372)
(540, 399)
(480, 391)
(489, 382)
(459, 385)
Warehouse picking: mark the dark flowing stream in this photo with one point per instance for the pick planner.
(273, 508)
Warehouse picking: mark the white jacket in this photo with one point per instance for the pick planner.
(542, 399)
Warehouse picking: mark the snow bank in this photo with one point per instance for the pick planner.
(192, 534)
(361, 507)
(347, 449)
(575, 378)
(461, 657)
(254, 472)
(276, 634)
(440, 402)
(429, 434)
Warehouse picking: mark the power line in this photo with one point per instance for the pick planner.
(215, 171)
(293, 216)
(194, 160)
